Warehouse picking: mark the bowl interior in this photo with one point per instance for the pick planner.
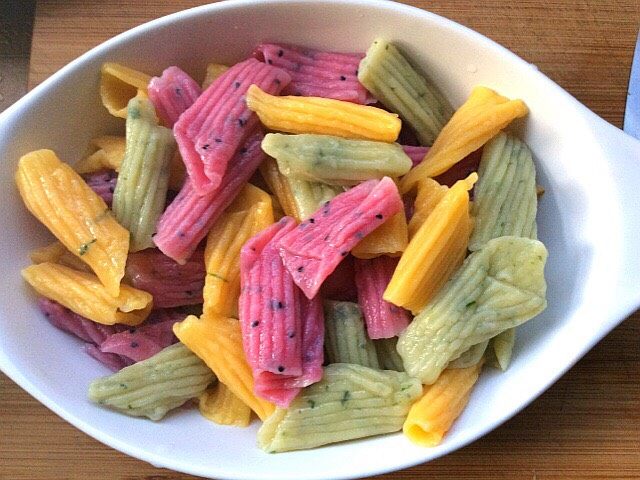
(579, 231)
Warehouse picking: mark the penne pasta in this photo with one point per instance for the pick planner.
(471, 357)
(323, 116)
(214, 70)
(335, 160)
(103, 184)
(388, 356)
(105, 153)
(434, 252)
(478, 120)
(141, 189)
(432, 416)
(429, 195)
(221, 406)
(346, 339)
(350, 402)
(391, 238)
(250, 213)
(57, 253)
(118, 85)
(57, 196)
(83, 294)
(310, 196)
(155, 386)
(172, 93)
(280, 187)
(390, 77)
(498, 287)
(218, 342)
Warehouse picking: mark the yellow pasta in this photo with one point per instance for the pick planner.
(478, 120)
(218, 342)
(214, 70)
(221, 406)
(83, 294)
(390, 238)
(432, 416)
(57, 196)
(118, 85)
(323, 116)
(280, 187)
(428, 196)
(435, 251)
(57, 253)
(250, 213)
(104, 152)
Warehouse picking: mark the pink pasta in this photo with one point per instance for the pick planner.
(171, 284)
(383, 319)
(140, 343)
(315, 248)
(190, 216)
(103, 183)
(317, 74)
(112, 361)
(172, 93)
(416, 154)
(210, 132)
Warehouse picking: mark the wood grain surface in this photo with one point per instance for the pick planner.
(586, 426)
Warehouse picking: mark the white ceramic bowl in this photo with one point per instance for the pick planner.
(588, 218)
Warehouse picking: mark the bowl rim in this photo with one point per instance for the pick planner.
(158, 460)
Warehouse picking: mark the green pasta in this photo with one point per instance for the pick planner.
(503, 347)
(351, 401)
(335, 160)
(471, 357)
(309, 196)
(498, 287)
(388, 356)
(505, 200)
(141, 189)
(345, 335)
(386, 73)
(154, 386)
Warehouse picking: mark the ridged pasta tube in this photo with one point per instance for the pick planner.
(390, 77)
(505, 200)
(279, 186)
(434, 252)
(391, 238)
(334, 160)
(57, 253)
(388, 356)
(83, 294)
(141, 190)
(502, 345)
(155, 386)
(429, 195)
(498, 287)
(350, 402)
(172, 93)
(346, 339)
(471, 357)
(105, 152)
(432, 416)
(218, 342)
(118, 85)
(221, 406)
(250, 213)
(323, 116)
(478, 120)
(57, 196)
(310, 196)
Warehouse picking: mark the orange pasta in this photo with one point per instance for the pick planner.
(390, 238)
(221, 406)
(118, 85)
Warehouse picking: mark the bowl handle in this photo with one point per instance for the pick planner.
(623, 153)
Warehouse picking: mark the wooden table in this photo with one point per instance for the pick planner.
(586, 426)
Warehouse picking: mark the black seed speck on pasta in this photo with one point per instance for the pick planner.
(280, 368)
(134, 345)
(379, 216)
(301, 269)
(218, 140)
(237, 84)
(243, 150)
(242, 122)
(280, 52)
(181, 234)
(291, 334)
(312, 220)
(344, 253)
(255, 323)
(270, 62)
(277, 81)
(343, 78)
(205, 146)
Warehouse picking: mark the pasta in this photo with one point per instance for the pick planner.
(218, 342)
(84, 294)
(350, 402)
(79, 218)
(323, 116)
(314, 249)
(105, 152)
(141, 189)
(471, 357)
(118, 85)
(388, 356)
(431, 416)
(153, 387)
(310, 196)
(346, 340)
(391, 78)
(498, 287)
(103, 184)
(502, 345)
(478, 120)
(279, 185)
(57, 253)
(220, 405)
(391, 238)
(172, 93)
(214, 70)
(335, 160)
(251, 212)
(429, 195)
(434, 252)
